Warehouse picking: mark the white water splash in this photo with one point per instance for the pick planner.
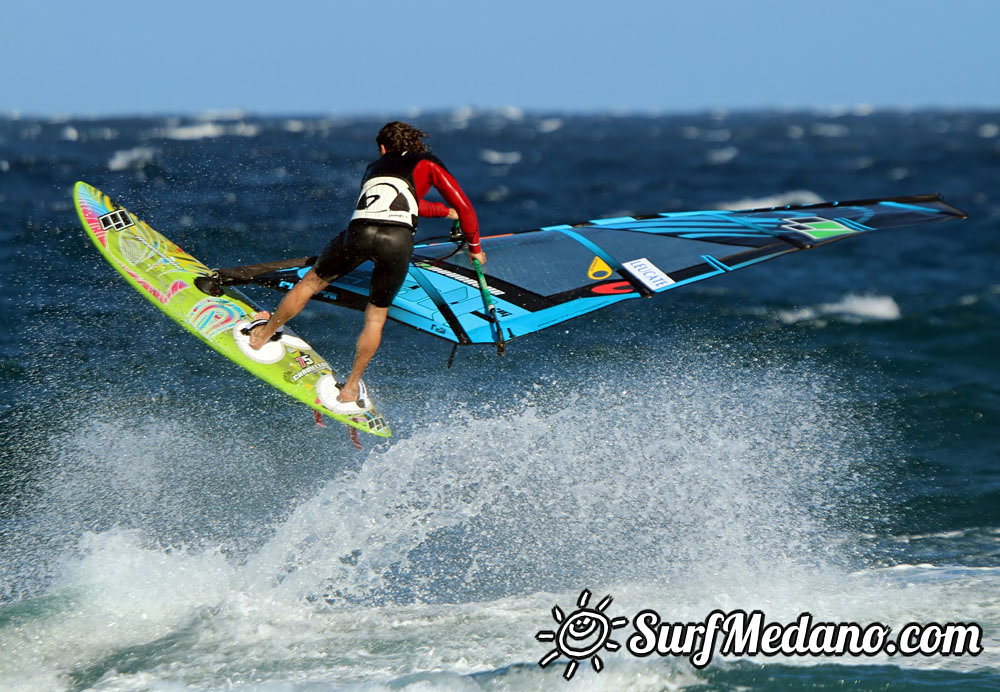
(686, 486)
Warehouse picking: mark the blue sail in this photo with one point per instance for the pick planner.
(542, 277)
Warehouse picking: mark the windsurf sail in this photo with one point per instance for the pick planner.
(546, 276)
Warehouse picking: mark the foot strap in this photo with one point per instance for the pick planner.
(270, 352)
(258, 323)
(362, 395)
(328, 391)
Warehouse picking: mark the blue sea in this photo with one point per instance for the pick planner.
(814, 434)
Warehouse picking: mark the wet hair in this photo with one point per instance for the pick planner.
(399, 137)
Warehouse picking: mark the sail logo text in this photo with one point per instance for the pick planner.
(648, 273)
(458, 277)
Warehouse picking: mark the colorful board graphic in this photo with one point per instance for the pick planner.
(165, 274)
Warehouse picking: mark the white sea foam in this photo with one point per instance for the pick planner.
(549, 125)
(191, 132)
(795, 132)
(718, 157)
(460, 117)
(137, 157)
(497, 194)
(988, 130)
(511, 113)
(500, 157)
(208, 130)
(850, 308)
(778, 200)
(117, 593)
(830, 130)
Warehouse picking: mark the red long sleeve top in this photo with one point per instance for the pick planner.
(427, 173)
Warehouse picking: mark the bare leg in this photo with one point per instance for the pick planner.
(290, 306)
(368, 343)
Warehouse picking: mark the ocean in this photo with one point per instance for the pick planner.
(817, 434)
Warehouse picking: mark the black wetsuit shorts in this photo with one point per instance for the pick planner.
(389, 247)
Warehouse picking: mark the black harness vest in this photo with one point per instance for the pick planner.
(388, 194)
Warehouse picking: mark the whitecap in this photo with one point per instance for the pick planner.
(511, 112)
(830, 130)
(780, 199)
(550, 125)
(191, 132)
(70, 134)
(136, 157)
(850, 308)
(207, 130)
(497, 194)
(500, 157)
(718, 157)
(795, 132)
(244, 130)
(460, 117)
(988, 130)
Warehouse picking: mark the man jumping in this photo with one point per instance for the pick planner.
(381, 230)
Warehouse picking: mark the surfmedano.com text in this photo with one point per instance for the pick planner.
(739, 634)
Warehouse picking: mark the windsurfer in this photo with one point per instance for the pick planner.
(381, 230)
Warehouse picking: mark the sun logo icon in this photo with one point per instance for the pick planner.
(582, 635)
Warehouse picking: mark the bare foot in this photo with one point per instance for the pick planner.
(256, 340)
(348, 396)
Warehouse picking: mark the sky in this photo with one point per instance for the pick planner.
(316, 57)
